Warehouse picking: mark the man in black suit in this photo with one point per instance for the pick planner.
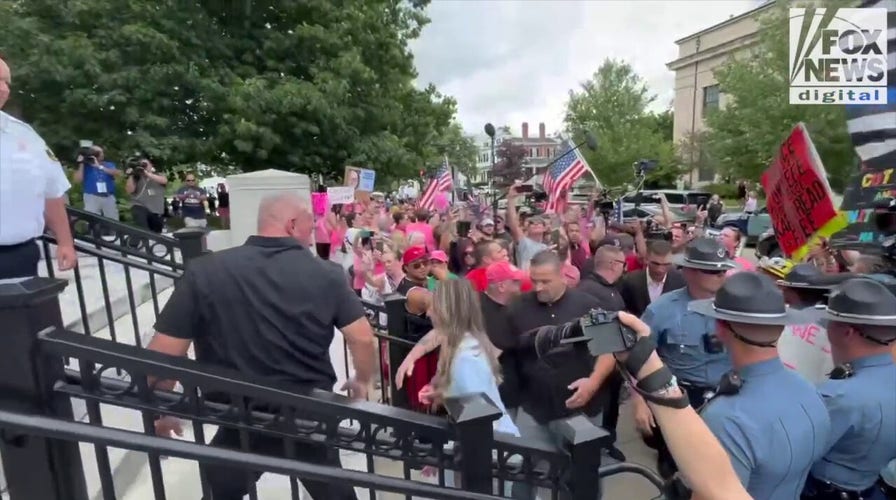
(640, 288)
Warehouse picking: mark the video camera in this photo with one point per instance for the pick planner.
(137, 165)
(87, 152)
(885, 222)
(599, 331)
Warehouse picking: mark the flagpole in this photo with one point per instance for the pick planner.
(453, 177)
(573, 150)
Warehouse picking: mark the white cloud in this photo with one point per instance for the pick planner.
(516, 60)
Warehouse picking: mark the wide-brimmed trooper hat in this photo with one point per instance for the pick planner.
(705, 254)
(749, 298)
(862, 301)
(807, 276)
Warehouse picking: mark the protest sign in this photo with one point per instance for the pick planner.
(341, 195)
(866, 187)
(798, 196)
(361, 179)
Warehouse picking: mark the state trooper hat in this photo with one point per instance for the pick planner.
(705, 254)
(749, 298)
(804, 276)
(862, 301)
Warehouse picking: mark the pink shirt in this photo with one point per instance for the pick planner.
(358, 264)
(425, 229)
(745, 265)
(321, 232)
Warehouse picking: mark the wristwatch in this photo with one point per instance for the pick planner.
(669, 390)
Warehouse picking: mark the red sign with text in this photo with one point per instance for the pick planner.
(798, 197)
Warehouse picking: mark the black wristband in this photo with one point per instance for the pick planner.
(638, 355)
(656, 381)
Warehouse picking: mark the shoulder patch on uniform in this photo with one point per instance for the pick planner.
(51, 156)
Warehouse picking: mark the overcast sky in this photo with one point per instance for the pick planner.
(509, 61)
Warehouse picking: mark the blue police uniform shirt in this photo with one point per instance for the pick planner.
(98, 182)
(774, 429)
(863, 424)
(679, 335)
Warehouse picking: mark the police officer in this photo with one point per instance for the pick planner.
(860, 394)
(770, 420)
(685, 339)
(32, 194)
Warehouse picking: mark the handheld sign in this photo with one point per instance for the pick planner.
(798, 196)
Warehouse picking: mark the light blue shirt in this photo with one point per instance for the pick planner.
(679, 335)
(774, 429)
(471, 374)
(863, 424)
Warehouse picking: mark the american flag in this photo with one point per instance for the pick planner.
(873, 127)
(560, 177)
(441, 181)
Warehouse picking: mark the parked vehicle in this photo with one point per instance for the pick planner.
(767, 245)
(676, 198)
(751, 225)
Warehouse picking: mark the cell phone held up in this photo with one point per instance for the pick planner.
(525, 188)
(463, 228)
(602, 333)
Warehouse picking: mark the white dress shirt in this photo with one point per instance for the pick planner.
(29, 175)
(654, 288)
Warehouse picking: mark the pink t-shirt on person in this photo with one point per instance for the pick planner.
(321, 231)
(359, 269)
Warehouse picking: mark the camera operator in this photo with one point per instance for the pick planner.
(98, 177)
(147, 190)
(564, 381)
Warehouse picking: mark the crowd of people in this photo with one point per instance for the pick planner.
(760, 334)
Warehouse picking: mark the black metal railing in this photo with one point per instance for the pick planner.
(121, 268)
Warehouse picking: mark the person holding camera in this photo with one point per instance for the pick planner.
(192, 197)
(98, 177)
(147, 190)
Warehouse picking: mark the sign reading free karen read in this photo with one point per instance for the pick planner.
(838, 56)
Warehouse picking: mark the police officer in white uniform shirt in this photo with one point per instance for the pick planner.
(32, 195)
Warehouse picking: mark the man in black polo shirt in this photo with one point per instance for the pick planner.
(258, 309)
(504, 281)
(608, 266)
(565, 380)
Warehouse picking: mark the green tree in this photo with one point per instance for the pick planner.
(613, 105)
(745, 134)
(303, 86)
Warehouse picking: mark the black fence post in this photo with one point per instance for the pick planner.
(585, 441)
(35, 467)
(397, 326)
(473, 416)
(192, 242)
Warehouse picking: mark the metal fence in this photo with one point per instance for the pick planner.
(43, 374)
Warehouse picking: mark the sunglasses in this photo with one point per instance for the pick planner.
(191, 180)
(419, 264)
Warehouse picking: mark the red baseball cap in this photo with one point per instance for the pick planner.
(412, 254)
(503, 271)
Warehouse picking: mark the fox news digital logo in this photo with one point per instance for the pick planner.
(838, 56)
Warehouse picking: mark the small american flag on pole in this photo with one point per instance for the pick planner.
(441, 181)
(561, 175)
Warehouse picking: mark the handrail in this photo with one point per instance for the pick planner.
(75, 431)
(143, 361)
(633, 468)
(101, 252)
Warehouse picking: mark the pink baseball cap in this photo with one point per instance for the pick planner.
(438, 255)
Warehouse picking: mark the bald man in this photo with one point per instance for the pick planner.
(267, 309)
(32, 195)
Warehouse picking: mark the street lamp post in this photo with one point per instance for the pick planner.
(490, 131)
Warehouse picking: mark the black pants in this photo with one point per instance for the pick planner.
(147, 220)
(665, 462)
(611, 409)
(323, 250)
(20, 260)
(819, 490)
(228, 483)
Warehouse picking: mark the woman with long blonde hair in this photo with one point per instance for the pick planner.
(468, 361)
